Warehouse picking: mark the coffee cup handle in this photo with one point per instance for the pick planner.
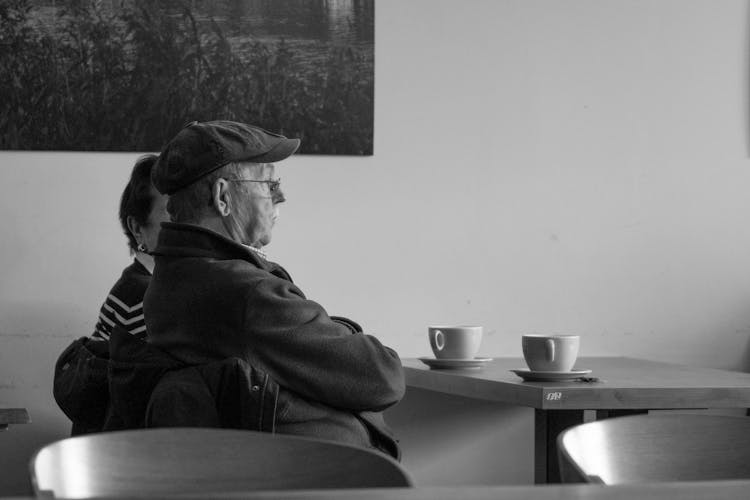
(438, 340)
(550, 350)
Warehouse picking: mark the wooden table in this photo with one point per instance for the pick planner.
(13, 416)
(625, 386)
(719, 490)
(715, 490)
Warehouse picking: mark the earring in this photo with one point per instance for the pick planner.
(142, 248)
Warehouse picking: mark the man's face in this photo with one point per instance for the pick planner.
(254, 207)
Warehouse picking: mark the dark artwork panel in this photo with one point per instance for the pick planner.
(127, 75)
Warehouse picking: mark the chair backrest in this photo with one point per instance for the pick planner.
(201, 461)
(655, 448)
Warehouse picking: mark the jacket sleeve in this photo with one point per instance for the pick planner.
(321, 358)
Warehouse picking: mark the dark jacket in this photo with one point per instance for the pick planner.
(212, 299)
(125, 383)
(149, 388)
(81, 387)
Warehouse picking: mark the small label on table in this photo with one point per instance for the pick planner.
(554, 396)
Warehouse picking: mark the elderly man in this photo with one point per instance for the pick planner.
(214, 295)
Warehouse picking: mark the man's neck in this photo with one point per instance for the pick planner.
(216, 225)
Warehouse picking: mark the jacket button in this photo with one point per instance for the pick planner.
(255, 388)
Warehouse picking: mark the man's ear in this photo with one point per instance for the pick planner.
(221, 197)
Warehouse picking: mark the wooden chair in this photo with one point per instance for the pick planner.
(655, 448)
(201, 461)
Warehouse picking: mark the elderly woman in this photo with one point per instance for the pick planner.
(142, 209)
(81, 381)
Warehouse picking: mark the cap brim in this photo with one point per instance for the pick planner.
(284, 149)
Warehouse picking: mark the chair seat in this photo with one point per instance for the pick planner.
(654, 448)
(202, 461)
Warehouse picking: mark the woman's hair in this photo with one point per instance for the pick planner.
(136, 200)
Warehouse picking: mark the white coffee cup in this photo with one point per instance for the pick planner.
(455, 341)
(550, 353)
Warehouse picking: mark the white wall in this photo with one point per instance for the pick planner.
(573, 166)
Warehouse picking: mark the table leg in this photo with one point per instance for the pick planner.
(548, 424)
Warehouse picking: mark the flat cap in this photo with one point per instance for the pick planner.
(200, 148)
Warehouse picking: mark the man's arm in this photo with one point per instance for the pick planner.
(321, 358)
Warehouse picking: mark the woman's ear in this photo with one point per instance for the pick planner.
(135, 229)
(221, 197)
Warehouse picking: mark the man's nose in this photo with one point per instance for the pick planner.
(278, 196)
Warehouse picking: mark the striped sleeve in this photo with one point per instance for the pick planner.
(124, 304)
(115, 311)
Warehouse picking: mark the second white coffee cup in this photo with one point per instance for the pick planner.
(455, 341)
(550, 353)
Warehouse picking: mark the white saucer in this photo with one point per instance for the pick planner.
(532, 375)
(447, 364)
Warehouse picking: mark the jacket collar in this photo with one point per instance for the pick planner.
(189, 240)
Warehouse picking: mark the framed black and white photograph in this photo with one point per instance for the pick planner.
(126, 75)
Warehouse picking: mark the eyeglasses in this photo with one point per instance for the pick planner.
(273, 184)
